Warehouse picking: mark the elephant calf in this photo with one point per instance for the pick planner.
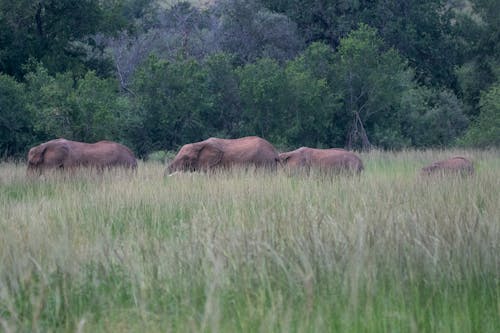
(454, 165)
(224, 153)
(326, 160)
(65, 154)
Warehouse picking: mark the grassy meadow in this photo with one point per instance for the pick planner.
(387, 251)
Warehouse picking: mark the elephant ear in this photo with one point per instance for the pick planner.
(283, 158)
(305, 160)
(35, 155)
(210, 156)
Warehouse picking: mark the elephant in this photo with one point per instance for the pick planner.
(216, 153)
(334, 160)
(455, 165)
(62, 154)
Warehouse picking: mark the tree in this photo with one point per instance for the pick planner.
(181, 31)
(222, 85)
(15, 124)
(479, 28)
(421, 30)
(370, 82)
(311, 117)
(264, 96)
(185, 32)
(250, 31)
(87, 109)
(58, 33)
(485, 131)
(435, 118)
(170, 100)
(320, 20)
(319, 59)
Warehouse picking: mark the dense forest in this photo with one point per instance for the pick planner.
(155, 75)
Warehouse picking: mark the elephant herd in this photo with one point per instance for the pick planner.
(214, 153)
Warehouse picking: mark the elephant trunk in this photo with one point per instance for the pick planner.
(32, 170)
(168, 171)
(172, 169)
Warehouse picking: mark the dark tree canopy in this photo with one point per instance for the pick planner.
(156, 75)
(57, 33)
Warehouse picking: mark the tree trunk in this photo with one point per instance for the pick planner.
(357, 133)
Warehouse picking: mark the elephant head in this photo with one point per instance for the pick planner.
(197, 156)
(296, 158)
(47, 155)
(35, 159)
(35, 155)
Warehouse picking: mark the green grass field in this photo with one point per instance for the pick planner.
(387, 251)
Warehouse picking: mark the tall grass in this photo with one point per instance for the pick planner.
(253, 251)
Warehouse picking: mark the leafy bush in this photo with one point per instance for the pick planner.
(485, 131)
(434, 118)
(85, 109)
(15, 120)
(156, 156)
(170, 100)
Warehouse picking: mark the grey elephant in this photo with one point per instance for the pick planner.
(215, 153)
(455, 165)
(334, 160)
(64, 154)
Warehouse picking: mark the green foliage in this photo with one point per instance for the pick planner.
(58, 33)
(422, 32)
(15, 119)
(445, 118)
(310, 117)
(389, 74)
(87, 109)
(250, 31)
(318, 58)
(320, 20)
(435, 118)
(370, 83)
(171, 99)
(156, 156)
(485, 131)
(263, 90)
(222, 84)
(289, 105)
(479, 28)
(162, 157)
